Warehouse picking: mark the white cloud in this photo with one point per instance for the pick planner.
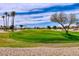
(26, 6)
(32, 21)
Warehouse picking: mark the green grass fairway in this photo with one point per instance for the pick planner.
(44, 36)
(38, 37)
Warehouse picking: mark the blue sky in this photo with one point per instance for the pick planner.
(37, 14)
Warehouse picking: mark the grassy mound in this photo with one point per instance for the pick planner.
(38, 37)
(45, 36)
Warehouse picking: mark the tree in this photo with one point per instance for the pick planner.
(21, 26)
(77, 25)
(48, 27)
(8, 20)
(6, 13)
(54, 27)
(1, 27)
(64, 20)
(3, 22)
(13, 13)
(37, 27)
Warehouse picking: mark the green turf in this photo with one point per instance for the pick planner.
(45, 36)
(38, 37)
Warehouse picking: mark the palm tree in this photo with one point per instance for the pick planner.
(3, 22)
(13, 13)
(6, 14)
(8, 19)
(21, 26)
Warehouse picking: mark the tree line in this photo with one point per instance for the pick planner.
(65, 20)
(6, 17)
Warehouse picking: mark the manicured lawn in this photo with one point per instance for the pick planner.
(45, 36)
(38, 37)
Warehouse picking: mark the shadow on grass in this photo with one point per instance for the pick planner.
(72, 37)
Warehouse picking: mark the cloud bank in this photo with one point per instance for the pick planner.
(37, 14)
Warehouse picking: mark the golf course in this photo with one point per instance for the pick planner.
(39, 38)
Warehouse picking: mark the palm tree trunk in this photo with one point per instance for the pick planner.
(13, 24)
(8, 22)
(3, 24)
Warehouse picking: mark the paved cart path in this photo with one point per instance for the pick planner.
(40, 51)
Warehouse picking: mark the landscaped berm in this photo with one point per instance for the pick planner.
(38, 38)
(39, 42)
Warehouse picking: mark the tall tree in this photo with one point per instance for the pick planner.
(64, 20)
(3, 22)
(6, 13)
(13, 13)
(8, 20)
